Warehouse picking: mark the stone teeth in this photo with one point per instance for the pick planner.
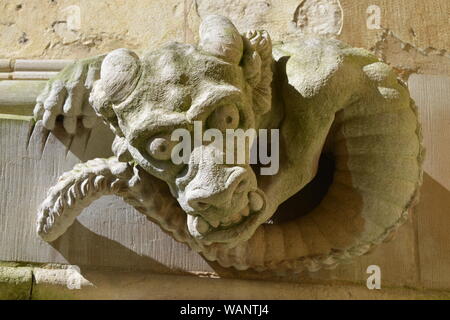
(201, 225)
(226, 221)
(256, 201)
(214, 223)
(236, 217)
(225, 224)
(197, 226)
(245, 212)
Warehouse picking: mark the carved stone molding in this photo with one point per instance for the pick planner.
(20, 69)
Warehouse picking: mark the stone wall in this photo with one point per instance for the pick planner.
(411, 35)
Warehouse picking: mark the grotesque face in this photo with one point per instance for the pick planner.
(195, 89)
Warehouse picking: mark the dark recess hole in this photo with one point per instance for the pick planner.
(59, 118)
(310, 196)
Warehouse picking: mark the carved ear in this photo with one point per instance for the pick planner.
(257, 66)
(220, 37)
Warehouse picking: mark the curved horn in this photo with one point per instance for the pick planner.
(220, 37)
(118, 74)
(118, 77)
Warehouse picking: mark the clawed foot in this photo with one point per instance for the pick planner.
(67, 96)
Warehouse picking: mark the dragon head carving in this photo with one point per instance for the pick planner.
(322, 96)
(220, 84)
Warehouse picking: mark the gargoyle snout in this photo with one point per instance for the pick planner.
(218, 199)
(213, 194)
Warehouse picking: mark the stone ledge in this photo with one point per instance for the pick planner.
(55, 281)
(15, 283)
(20, 83)
(20, 69)
(18, 97)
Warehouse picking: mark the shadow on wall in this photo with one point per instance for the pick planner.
(85, 145)
(79, 245)
(84, 248)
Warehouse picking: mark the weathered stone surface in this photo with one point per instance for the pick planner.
(225, 83)
(414, 43)
(18, 96)
(432, 213)
(60, 283)
(66, 282)
(110, 232)
(62, 29)
(138, 285)
(15, 282)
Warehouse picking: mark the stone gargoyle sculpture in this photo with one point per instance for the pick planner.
(323, 96)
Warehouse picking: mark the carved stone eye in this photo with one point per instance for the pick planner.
(160, 147)
(224, 117)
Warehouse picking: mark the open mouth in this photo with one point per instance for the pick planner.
(234, 228)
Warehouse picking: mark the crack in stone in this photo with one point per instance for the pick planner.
(408, 46)
(415, 59)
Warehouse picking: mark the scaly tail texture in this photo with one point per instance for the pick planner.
(88, 181)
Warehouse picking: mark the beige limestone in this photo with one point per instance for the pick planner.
(15, 282)
(64, 282)
(325, 98)
(412, 22)
(63, 29)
